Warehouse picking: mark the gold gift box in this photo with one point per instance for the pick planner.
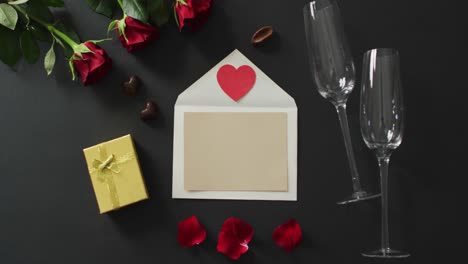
(115, 174)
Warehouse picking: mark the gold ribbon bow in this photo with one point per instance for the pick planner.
(105, 167)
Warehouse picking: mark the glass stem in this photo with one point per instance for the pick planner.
(383, 164)
(341, 109)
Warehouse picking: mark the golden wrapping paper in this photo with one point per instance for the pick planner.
(115, 174)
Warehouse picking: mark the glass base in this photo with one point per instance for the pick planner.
(359, 196)
(386, 253)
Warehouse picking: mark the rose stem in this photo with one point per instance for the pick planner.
(49, 27)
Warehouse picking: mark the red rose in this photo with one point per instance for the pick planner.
(288, 235)
(192, 13)
(92, 64)
(135, 34)
(190, 232)
(234, 238)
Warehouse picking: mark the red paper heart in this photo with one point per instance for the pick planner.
(236, 83)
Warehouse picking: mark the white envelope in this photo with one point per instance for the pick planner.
(206, 96)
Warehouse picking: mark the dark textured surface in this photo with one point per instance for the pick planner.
(48, 212)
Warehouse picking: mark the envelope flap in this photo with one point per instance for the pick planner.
(207, 92)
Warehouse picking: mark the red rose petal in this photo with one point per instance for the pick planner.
(92, 66)
(138, 34)
(194, 14)
(288, 235)
(190, 232)
(234, 237)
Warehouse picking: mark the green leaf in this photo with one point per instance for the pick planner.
(49, 60)
(53, 3)
(121, 26)
(176, 17)
(136, 9)
(8, 16)
(103, 7)
(10, 53)
(17, 2)
(72, 68)
(39, 32)
(158, 12)
(111, 26)
(82, 49)
(36, 8)
(182, 2)
(29, 47)
(97, 41)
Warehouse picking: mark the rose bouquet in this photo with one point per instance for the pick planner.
(141, 20)
(23, 23)
(140, 23)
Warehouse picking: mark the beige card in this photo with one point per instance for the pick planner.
(232, 151)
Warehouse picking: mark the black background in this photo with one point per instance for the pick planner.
(48, 212)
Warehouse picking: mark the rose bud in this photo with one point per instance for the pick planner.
(91, 62)
(135, 34)
(192, 13)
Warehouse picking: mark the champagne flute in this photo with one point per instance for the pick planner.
(333, 71)
(381, 114)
